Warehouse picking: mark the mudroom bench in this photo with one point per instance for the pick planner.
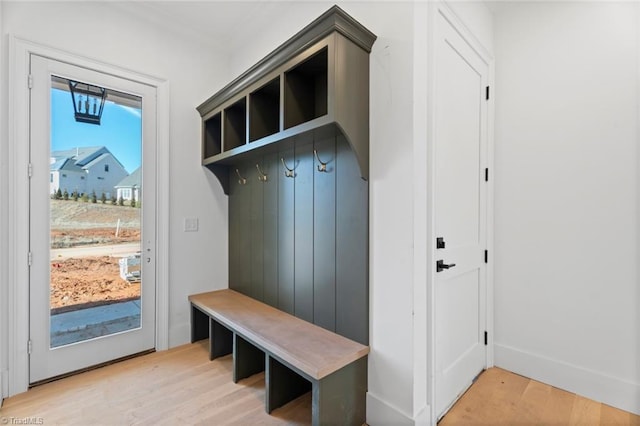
(297, 356)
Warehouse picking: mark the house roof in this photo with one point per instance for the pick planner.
(83, 157)
(134, 179)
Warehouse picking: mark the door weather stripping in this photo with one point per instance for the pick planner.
(29, 258)
(30, 170)
(30, 82)
(29, 347)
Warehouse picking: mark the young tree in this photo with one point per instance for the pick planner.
(121, 201)
(133, 200)
(65, 195)
(114, 200)
(75, 195)
(94, 198)
(58, 194)
(103, 198)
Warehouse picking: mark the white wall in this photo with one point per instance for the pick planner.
(567, 297)
(108, 33)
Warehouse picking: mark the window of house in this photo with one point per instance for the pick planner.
(82, 177)
(63, 175)
(106, 167)
(100, 178)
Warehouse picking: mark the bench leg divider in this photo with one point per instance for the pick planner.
(247, 359)
(340, 398)
(199, 325)
(282, 384)
(220, 340)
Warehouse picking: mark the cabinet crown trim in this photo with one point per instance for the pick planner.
(334, 19)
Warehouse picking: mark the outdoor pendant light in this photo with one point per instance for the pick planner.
(88, 101)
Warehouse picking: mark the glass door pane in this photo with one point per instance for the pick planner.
(95, 211)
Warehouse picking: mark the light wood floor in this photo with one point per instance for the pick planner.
(499, 397)
(181, 386)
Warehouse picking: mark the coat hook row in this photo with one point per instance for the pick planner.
(322, 167)
(261, 176)
(287, 171)
(241, 180)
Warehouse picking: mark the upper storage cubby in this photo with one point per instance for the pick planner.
(235, 125)
(264, 110)
(317, 78)
(305, 90)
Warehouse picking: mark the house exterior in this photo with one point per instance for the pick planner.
(85, 169)
(130, 186)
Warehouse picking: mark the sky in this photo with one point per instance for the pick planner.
(120, 129)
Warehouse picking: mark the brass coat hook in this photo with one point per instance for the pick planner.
(287, 171)
(241, 180)
(322, 167)
(261, 176)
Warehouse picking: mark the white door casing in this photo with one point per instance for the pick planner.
(460, 213)
(44, 361)
(20, 51)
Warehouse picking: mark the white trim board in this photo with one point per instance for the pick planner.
(600, 387)
(17, 303)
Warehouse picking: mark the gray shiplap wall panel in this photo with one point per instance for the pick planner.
(234, 230)
(352, 230)
(286, 254)
(271, 169)
(324, 233)
(304, 228)
(307, 234)
(244, 225)
(256, 223)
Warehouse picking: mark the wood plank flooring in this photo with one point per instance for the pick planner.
(181, 386)
(499, 397)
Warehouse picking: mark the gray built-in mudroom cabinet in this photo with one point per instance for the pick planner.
(289, 142)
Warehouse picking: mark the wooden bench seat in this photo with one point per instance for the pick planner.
(296, 355)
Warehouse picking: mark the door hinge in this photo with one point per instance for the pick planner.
(486, 174)
(29, 258)
(29, 347)
(486, 338)
(30, 81)
(30, 170)
(487, 93)
(486, 256)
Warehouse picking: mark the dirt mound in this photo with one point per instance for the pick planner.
(89, 280)
(80, 215)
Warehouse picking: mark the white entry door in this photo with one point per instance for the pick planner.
(92, 218)
(460, 214)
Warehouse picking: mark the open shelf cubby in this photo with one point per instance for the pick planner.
(213, 136)
(235, 125)
(305, 90)
(264, 110)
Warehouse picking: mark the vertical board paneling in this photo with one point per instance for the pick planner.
(270, 235)
(256, 223)
(234, 230)
(324, 232)
(286, 223)
(244, 225)
(352, 225)
(304, 228)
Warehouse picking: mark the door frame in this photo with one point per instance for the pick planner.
(434, 10)
(20, 51)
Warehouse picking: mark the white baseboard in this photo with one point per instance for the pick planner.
(379, 413)
(594, 385)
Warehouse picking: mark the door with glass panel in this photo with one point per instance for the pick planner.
(92, 218)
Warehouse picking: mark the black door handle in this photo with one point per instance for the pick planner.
(441, 266)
